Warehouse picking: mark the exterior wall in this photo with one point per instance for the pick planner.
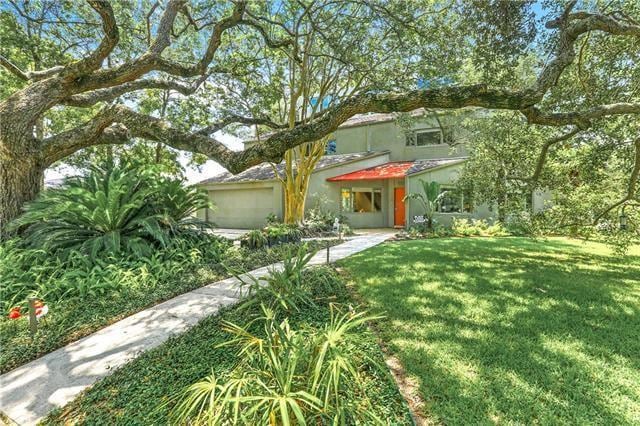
(327, 194)
(389, 136)
(541, 200)
(368, 219)
(243, 205)
(445, 176)
(249, 208)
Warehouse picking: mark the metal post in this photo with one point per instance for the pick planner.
(33, 321)
(327, 253)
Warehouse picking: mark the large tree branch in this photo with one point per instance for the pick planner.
(273, 148)
(582, 119)
(269, 41)
(105, 95)
(571, 26)
(13, 69)
(545, 150)
(98, 130)
(28, 75)
(152, 60)
(239, 119)
(631, 186)
(111, 37)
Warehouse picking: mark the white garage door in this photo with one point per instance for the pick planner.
(242, 208)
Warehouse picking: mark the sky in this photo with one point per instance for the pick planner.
(193, 175)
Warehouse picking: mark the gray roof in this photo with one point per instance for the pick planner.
(422, 165)
(264, 171)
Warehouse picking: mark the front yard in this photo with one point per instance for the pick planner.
(510, 330)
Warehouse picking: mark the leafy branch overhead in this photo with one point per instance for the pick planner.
(183, 49)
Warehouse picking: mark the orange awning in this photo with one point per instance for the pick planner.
(396, 169)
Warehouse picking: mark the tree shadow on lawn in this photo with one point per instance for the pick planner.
(511, 330)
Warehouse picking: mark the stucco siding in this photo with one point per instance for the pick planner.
(446, 176)
(327, 194)
(244, 205)
(389, 136)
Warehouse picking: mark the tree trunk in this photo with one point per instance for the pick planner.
(21, 179)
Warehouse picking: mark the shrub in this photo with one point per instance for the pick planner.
(113, 209)
(256, 239)
(28, 272)
(496, 230)
(319, 221)
(473, 227)
(282, 233)
(464, 227)
(272, 219)
(283, 287)
(285, 376)
(522, 224)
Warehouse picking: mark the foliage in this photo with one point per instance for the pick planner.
(283, 285)
(460, 227)
(477, 227)
(85, 295)
(147, 389)
(489, 173)
(429, 199)
(256, 239)
(319, 220)
(524, 224)
(273, 234)
(494, 328)
(113, 209)
(272, 219)
(286, 377)
(35, 272)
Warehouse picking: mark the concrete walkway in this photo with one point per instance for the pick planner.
(29, 392)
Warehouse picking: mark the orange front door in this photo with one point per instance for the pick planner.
(398, 217)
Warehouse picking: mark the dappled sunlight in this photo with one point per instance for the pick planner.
(511, 329)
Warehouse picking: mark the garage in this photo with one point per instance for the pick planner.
(242, 208)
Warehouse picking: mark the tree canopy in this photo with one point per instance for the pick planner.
(75, 75)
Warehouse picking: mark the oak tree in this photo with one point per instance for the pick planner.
(103, 54)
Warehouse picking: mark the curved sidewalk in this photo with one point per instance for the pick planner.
(30, 391)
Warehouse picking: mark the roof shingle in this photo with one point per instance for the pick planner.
(264, 171)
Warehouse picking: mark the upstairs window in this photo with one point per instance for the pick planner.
(425, 137)
(455, 201)
(331, 148)
(361, 200)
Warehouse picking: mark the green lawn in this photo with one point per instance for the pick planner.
(510, 330)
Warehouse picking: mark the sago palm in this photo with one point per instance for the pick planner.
(110, 210)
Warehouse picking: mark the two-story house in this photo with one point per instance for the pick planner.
(370, 164)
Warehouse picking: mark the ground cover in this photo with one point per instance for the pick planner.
(142, 391)
(127, 288)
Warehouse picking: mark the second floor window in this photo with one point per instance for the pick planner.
(331, 148)
(425, 137)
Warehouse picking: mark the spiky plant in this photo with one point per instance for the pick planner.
(113, 209)
(285, 377)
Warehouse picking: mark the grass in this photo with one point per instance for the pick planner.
(135, 394)
(510, 330)
(71, 319)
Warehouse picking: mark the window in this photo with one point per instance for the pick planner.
(455, 201)
(331, 148)
(425, 137)
(361, 200)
